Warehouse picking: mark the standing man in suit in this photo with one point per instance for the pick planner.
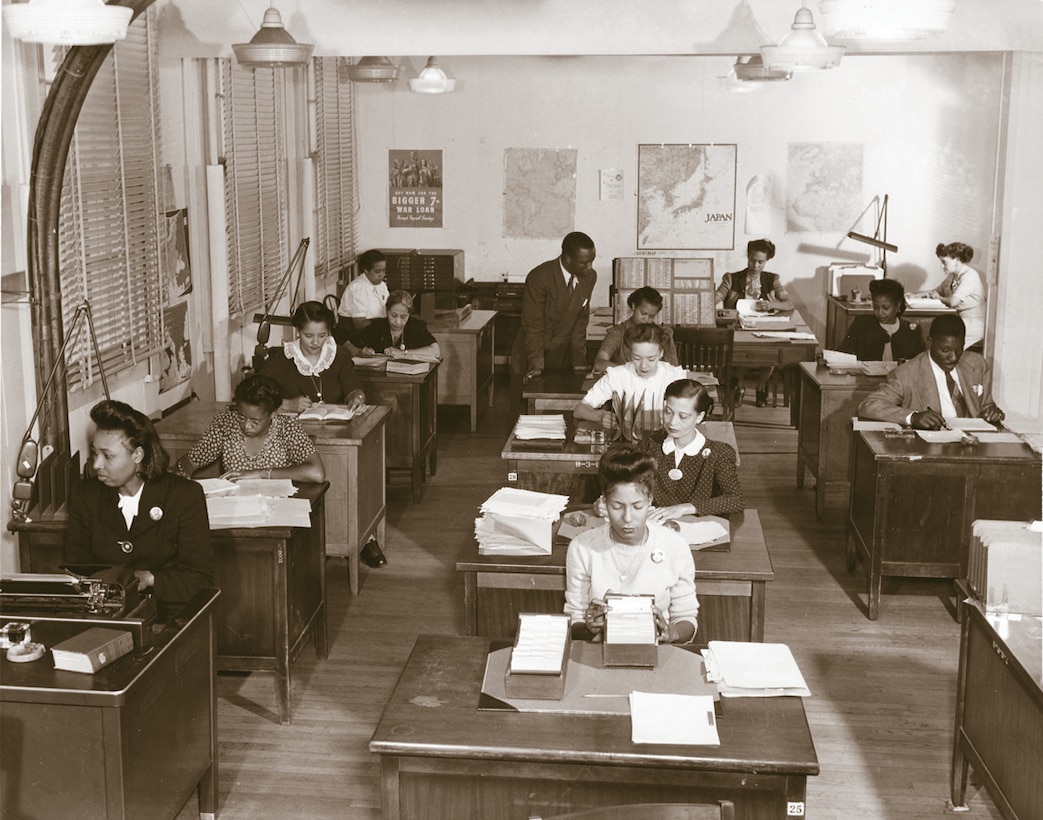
(942, 382)
(555, 310)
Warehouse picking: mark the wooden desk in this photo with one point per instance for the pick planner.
(441, 757)
(730, 586)
(131, 741)
(412, 441)
(840, 313)
(999, 711)
(572, 470)
(912, 503)
(751, 350)
(273, 583)
(826, 405)
(467, 360)
(556, 391)
(355, 504)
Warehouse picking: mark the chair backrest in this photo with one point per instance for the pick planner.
(708, 349)
(722, 810)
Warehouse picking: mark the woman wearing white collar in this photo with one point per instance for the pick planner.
(312, 369)
(695, 475)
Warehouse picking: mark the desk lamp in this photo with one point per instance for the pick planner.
(878, 240)
(264, 320)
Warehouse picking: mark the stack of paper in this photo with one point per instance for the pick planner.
(682, 720)
(540, 646)
(518, 522)
(925, 303)
(838, 358)
(268, 487)
(791, 335)
(550, 427)
(754, 670)
(868, 425)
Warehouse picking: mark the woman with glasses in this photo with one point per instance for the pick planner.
(251, 440)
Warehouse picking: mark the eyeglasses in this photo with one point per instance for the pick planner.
(248, 422)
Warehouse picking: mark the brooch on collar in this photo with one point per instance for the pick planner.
(706, 452)
(657, 557)
(155, 513)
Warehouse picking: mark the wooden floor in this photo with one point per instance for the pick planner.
(883, 697)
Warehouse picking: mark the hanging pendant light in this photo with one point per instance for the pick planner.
(751, 69)
(373, 70)
(432, 80)
(885, 20)
(803, 49)
(67, 22)
(272, 46)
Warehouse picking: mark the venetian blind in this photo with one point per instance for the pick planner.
(108, 227)
(256, 209)
(335, 225)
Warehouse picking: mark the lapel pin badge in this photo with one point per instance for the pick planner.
(155, 513)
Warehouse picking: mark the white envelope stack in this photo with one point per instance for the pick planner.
(518, 522)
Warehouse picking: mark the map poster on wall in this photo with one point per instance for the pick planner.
(414, 189)
(175, 361)
(686, 197)
(177, 268)
(824, 186)
(539, 192)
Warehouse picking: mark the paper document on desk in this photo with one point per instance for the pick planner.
(268, 487)
(925, 303)
(792, 335)
(678, 720)
(999, 437)
(702, 531)
(877, 368)
(970, 425)
(754, 670)
(838, 358)
(874, 426)
(941, 436)
(213, 487)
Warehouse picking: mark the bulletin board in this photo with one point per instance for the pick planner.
(685, 284)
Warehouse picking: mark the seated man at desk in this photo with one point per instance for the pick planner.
(943, 382)
(885, 336)
(132, 512)
(635, 389)
(630, 555)
(755, 282)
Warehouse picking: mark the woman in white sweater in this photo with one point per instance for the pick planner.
(630, 555)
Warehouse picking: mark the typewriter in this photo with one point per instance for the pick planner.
(89, 593)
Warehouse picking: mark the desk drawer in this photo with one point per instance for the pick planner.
(768, 354)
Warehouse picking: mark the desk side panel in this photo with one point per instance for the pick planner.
(245, 572)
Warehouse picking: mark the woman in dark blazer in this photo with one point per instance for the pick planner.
(399, 335)
(132, 512)
(884, 336)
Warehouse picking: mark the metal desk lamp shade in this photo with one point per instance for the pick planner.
(432, 80)
(67, 22)
(803, 49)
(272, 46)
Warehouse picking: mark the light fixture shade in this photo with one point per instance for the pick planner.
(803, 49)
(67, 22)
(885, 20)
(432, 80)
(272, 46)
(373, 70)
(751, 69)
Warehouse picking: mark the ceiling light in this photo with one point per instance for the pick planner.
(885, 20)
(803, 49)
(751, 69)
(432, 80)
(272, 46)
(67, 22)
(373, 70)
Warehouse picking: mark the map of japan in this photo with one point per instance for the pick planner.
(686, 197)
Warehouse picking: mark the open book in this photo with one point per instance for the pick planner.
(408, 366)
(329, 412)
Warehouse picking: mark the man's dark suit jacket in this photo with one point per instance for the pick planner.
(553, 334)
(170, 534)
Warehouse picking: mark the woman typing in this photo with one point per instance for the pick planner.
(132, 512)
(250, 440)
(399, 334)
(312, 369)
(631, 555)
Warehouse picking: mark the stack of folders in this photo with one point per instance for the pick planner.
(754, 670)
(548, 427)
(518, 522)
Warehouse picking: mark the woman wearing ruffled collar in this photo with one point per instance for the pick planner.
(312, 369)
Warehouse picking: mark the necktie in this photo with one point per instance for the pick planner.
(957, 397)
(572, 285)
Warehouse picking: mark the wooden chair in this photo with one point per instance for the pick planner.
(709, 349)
(722, 810)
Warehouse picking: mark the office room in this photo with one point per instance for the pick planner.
(945, 127)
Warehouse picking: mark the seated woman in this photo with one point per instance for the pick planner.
(635, 389)
(133, 513)
(884, 336)
(399, 335)
(645, 304)
(251, 440)
(962, 289)
(312, 369)
(694, 475)
(631, 555)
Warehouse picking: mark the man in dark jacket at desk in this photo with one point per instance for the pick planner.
(555, 310)
(942, 382)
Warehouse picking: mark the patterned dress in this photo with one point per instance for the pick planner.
(708, 480)
(285, 445)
